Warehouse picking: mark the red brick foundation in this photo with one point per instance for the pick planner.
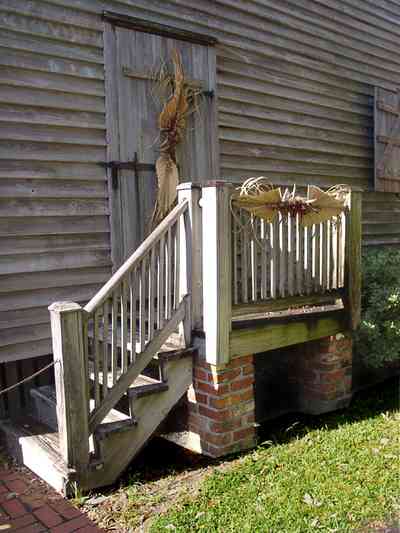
(324, 373)
(221, 406)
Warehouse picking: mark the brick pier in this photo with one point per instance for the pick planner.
(325, 374)
(218, 416)
(221, 407)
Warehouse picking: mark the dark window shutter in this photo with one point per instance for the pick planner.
(387, 140)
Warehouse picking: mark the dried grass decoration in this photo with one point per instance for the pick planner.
(260, 198)
(179, 98)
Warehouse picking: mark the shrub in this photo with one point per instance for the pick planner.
(377, 341)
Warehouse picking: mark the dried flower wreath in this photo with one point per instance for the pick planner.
(180, 98)
(259, 197)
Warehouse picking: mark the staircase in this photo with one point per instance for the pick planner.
(121, 363)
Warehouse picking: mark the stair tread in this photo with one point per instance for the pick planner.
(140, 381)
(27, 429)
(105, 428)
(48, 392)
(138, 391)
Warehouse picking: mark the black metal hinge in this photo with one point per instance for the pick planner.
(134, 165)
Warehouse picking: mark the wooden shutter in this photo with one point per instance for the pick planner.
(387, 140)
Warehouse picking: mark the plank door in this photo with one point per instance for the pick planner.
(131, 58)
(387, 140)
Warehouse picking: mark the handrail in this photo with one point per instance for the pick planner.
(142, 250)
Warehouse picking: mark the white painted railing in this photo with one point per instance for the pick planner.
(251, 267)
(284, 259)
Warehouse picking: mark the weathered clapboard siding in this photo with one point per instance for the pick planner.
(295, 86)
(54, 229)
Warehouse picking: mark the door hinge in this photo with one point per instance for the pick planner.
(134, 165)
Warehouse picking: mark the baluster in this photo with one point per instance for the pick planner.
(283, 254)
(133, 286)
(333, 254)
(340, 250)
(142, 304)
(244, 258)
(324, 256)
(317, 257)
(235, 251)
(124, 326)
(308, 256)
(264, 258)
(299, 256)
(328, 254)
(152, 266)
(96, 354)
(253, 257)
(161, 283)
(291, 253)
(114, 336)
(274, 231)
(106, 320)
(85, 341)
(168, 288)
(177, 263)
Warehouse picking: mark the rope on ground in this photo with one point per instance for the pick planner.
(8, 389)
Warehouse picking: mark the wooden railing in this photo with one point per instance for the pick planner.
(284, 260)
(252, 267)
(102, 348)
(131, 310)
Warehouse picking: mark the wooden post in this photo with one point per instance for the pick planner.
(217, 270)
(71, 383)
(192, 243)
(353, 259)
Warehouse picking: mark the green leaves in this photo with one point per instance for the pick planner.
(378, 338)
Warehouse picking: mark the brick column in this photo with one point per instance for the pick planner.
(221, 407)
(324, 374)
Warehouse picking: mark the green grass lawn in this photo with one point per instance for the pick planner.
(338, 472)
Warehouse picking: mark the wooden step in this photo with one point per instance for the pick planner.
(46, 397)
(116, 450)
(147, 387)
(36, 445)
(118, 426)
(143, 384)
(173, 355)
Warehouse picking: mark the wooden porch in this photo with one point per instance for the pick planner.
(211, 281)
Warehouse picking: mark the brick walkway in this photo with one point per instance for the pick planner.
(29, 505)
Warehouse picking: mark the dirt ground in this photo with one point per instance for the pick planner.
(160, 475)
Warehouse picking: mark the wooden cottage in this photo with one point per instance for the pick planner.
(304, 92)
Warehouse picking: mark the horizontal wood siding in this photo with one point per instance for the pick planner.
(295, 86)
(54, 229)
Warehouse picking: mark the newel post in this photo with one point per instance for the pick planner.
(72, 393)
(217, 270)
(191, 269)
(353, 259)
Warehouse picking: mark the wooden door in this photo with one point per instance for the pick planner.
(132, 57)
(387, 140)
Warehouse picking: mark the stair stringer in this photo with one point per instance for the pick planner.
(119, 448)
